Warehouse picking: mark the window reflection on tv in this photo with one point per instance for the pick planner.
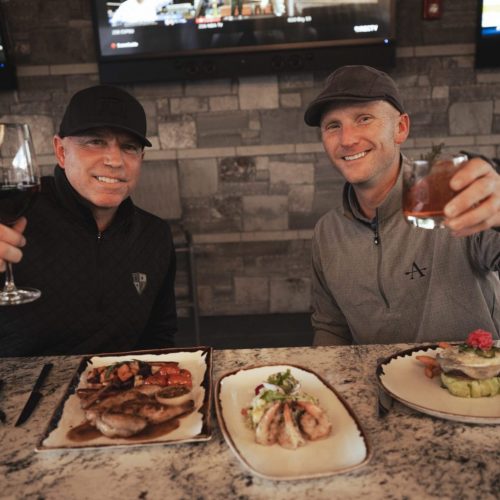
(488, 34)
(490, 18)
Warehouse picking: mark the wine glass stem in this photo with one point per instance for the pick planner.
(9, 279)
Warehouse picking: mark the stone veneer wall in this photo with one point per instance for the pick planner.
(232, 159)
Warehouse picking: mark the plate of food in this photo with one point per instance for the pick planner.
(284, 422)
(136, 398)
(458, 381)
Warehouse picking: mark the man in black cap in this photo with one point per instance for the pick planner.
(375, 278)
(106, 268)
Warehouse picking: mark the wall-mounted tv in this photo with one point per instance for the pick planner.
(8, 80)
(488, 34)
(158, 40)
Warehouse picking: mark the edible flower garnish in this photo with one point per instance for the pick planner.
(481, 343)
(480, 339)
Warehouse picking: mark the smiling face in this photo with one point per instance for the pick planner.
(103, 166)
(363, 141)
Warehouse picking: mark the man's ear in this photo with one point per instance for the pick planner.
(58, 145)
(402, 128)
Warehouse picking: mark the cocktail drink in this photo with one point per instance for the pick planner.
(426, 189)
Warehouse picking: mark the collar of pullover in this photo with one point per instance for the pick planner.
(80, 208)
(388, 208)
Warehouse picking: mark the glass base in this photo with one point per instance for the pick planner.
(19, 296)
(434, 222)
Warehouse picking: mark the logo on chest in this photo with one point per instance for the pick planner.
(416, 271)
(140, 280)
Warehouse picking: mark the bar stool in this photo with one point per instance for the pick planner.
(186, 291)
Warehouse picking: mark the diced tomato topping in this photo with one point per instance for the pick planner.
(181, 378)
(169, 370)
(157, 379)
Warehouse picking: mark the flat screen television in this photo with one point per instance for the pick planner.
(8, 80)
(488, 34)
(158, 40)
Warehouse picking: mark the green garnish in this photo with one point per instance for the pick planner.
(269, 396)
(111, 368)
(284, 380)
(489, 353)
(435, 151)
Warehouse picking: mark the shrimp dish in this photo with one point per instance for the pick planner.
(280, 413)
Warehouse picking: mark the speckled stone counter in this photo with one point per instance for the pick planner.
(414, 455)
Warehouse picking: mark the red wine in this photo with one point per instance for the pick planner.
(15, 199)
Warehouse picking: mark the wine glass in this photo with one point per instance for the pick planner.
(19, 184)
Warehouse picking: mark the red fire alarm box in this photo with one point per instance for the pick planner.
(433, 9)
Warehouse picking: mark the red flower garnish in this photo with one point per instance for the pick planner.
(480, 339)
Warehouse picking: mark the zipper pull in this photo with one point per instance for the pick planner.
(99, 236)
(376, 238)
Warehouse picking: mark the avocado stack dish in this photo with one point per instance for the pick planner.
(471, 369)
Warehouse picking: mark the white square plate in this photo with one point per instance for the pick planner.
(193, 427)
(344, 450)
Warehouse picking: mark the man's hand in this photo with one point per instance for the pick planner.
(11, 240)
(477, 206)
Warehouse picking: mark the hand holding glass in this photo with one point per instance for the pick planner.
(19, 183)
(426, 189)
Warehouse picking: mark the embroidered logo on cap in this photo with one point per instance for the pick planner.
(140, 280)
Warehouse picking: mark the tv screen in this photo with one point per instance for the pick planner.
(150, 40)
(488, 34)
(8, 78)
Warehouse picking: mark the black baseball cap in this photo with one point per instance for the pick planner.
(353, 83)
(104, 106)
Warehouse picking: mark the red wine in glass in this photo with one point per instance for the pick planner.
(15, 199)
(19, 185)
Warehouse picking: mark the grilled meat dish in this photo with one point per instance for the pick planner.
(122, 399)
(113, 424)
(129, 412)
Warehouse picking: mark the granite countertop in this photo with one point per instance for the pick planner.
(414, 455)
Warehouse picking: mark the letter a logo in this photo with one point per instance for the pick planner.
(416, 269)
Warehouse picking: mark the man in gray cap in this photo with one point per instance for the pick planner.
(105, 268)
(375, 278)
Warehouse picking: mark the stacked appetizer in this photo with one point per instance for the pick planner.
(470, 369)
(281, 413)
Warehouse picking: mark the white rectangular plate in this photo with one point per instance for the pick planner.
(344, 450)
(402, 376)
(193, 427)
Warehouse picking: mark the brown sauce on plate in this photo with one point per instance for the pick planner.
(87, 432)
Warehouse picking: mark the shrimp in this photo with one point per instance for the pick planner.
(314, 421)
(266, 431)
(289, 435)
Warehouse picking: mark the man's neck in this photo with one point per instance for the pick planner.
(370, 197)
(103, 217)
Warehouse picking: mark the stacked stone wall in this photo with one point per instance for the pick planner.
(232, 159)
